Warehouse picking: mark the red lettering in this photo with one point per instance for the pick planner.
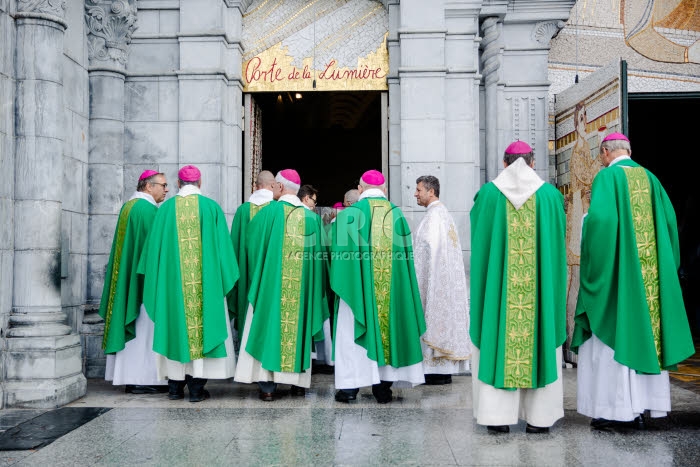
(306, 74)
(251, 73)
(323, 73)
(255, 74)
(364, 72)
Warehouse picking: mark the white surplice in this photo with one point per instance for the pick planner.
(250, 370)
(610, 390)
(539, 407)
(136, 363)
(437, 256)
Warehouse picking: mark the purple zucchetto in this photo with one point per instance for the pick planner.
(613, 136)
(148, 173)
(373, 177)
(290, 175)
(518, 147)
(189, 173)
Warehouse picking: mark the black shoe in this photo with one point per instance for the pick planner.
(176, 390)
(297, 391)
(200, 396)
(498, 428)
(536, 429)
(266, 396)
(603, 424)
(639, 423)
(382, 392)
(139, 389)
(196, 388)
(435, 380)
(345, 396)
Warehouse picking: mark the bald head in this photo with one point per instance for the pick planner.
(265, 180)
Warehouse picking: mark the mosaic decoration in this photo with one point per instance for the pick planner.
(663, 30)
(322, 45)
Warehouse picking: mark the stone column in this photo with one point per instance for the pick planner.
(110, 25)
(43, 364)
(491, 63)
(210, 96)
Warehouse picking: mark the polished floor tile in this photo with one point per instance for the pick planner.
(426, 425)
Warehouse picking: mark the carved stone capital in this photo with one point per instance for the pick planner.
(546, 30)
(56, 8)
(110, 25)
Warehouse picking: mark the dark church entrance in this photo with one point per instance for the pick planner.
(330, 138)
(660, 127)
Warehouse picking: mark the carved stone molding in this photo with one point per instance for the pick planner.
(55, 8)
(546, 30)
(110, 25)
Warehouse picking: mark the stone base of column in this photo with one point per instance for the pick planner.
(43, 394)
(91, 333)
(42, 372)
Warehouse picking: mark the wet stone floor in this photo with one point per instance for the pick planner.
(426, 425)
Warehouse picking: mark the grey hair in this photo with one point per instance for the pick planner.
(430, 182)
(613, 144)
(351, 196)
(182, 183)
(291, 186)
(510, 158)
(366, 185)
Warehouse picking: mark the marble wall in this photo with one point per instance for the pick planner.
(7, 176)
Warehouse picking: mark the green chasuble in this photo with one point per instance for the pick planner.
(189, 267)
(238, 298)
(287, 275)
(630, 296)
(372, 271)
(518, 286)
(122, 294)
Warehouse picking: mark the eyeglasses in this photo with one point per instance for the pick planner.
(164, 185)
(313, 200)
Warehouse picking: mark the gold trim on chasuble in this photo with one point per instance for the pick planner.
(292, 268)
(119, 244)
(382, 234)
(521, 295)
(643, 220)
(254, 209)
(189, 239)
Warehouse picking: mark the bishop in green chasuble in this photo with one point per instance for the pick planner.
(189, 267)
(122, 294)
(518, 296)
(128, 331)
(287, 298)
(630, 295)
(238, 298)
(630, 324)
(379, 316)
